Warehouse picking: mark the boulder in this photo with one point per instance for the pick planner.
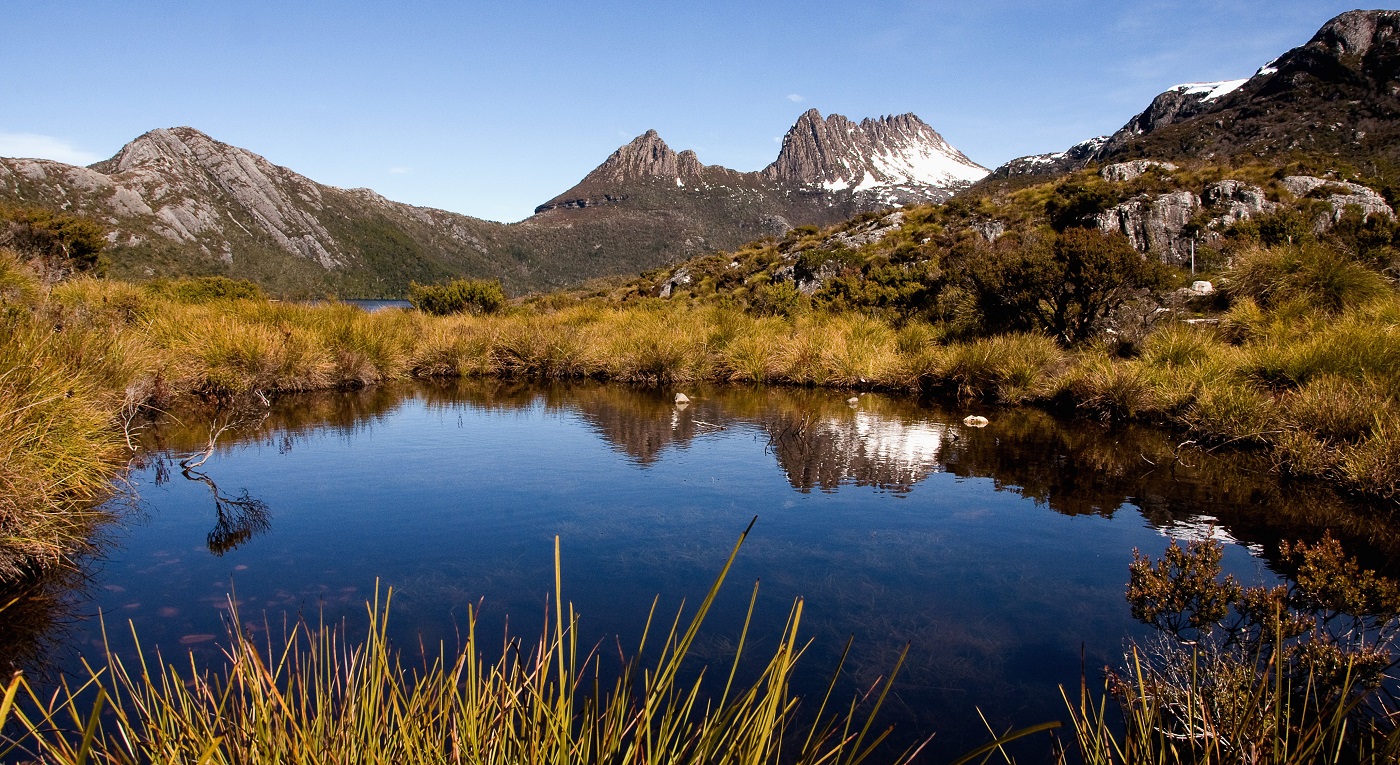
(976, 421)
(680, 278)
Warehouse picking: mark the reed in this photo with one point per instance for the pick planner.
(318, 697)
(1194, 708)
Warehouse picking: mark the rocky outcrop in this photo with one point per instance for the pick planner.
(1154, 225)
(1340, 194)
(679, 278)
(1234, 201)
(1123, 172)
(1157, 225)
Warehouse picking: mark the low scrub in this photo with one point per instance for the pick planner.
(461, 296)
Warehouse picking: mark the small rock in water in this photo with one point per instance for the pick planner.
(976, 421)
(853, 401)
(681, 398)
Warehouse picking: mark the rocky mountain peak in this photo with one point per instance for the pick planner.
(645, 157)
(161, 146)
(837, 154)
(1354, 33)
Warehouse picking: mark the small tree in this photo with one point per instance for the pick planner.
(460, 296)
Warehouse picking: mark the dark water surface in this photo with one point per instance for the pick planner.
(999, 554)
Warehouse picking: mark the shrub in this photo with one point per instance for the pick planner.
(460, 296)
(60, 242)
(1066, 284)
(1288, 674)
(206, 289)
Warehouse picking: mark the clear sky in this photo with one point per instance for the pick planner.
(491, 108)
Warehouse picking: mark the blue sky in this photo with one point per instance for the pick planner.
(489, 109)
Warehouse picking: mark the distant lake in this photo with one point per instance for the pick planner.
(378, 305)
(999, 554)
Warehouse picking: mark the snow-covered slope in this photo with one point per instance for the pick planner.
(899, 154)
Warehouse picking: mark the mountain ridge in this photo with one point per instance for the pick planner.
(1337, 95)
(181, 202)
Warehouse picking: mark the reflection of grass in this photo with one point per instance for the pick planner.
(319, 698)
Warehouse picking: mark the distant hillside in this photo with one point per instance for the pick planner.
(180, 202)
(1333, 102)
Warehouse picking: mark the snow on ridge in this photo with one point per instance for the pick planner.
(1209, 91)
(1268, 68)
(925, 163)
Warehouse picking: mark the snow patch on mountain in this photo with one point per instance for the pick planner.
(1209, 91)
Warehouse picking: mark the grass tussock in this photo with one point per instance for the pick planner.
(319, 697)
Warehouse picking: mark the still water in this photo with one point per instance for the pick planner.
(998, 554)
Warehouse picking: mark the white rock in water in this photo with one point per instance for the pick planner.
(853, 401)
(976, 421)
(681, 398)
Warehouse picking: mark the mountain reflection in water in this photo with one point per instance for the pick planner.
(890, 518)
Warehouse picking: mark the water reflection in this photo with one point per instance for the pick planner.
(998, 553)
(819, 441)
(236, 518)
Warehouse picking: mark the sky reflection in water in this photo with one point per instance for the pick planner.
(999, 554)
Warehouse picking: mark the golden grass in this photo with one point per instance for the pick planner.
(1261, 378)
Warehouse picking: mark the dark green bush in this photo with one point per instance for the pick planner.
(460, 296)
(61, 241)
(206, 289)
(1064, 284)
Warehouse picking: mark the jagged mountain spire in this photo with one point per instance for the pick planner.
(900, 150)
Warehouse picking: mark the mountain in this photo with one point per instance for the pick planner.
(828, 170)
(892, 160)
(181, 202)
(1337, 96)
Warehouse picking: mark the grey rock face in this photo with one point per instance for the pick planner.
(1346, 194)
(680, 278)
(1154, 226)
(1236, 201)
(1123, 172)
(647, 156)
(178, 169)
